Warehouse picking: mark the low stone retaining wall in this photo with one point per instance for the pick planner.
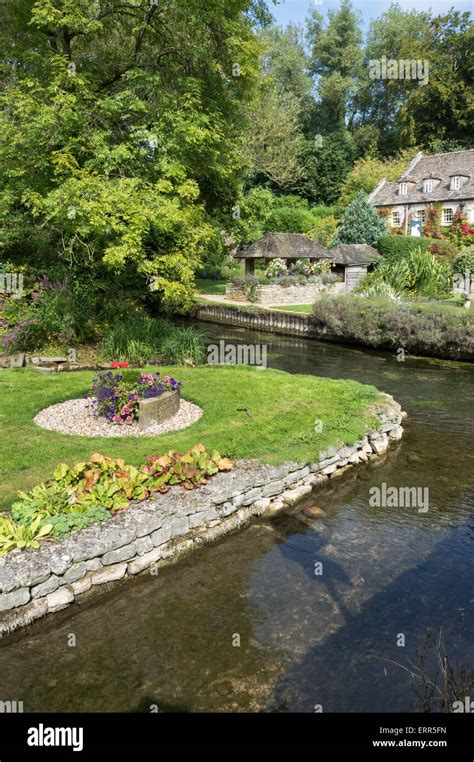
(151, 534)
(274, 294)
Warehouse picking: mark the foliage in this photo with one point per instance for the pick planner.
(289, 219)
(326, 160)
(248, 284)
(118, 402)
(459, 232)
(138, 339)
(432, 226)
(123, 133)
(464, 262)
(92, 491)
(387, 324)
(275, 268)
(324, 230)
(393, 248)
(419, 273)
(14, 535)
(274, 139)
(336, 58)
(369, 170)
(360, 222)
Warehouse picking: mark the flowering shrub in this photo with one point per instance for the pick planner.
(118, 403)
(275, 268)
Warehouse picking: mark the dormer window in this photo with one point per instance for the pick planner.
(402, 189)
(428, 186)
(455, 182)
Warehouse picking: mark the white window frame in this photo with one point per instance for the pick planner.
(398, 216)
(456, 182)
(403, 189)
(447, 210)
(427, 186)
(421, 215)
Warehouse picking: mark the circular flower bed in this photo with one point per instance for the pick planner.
(76, 417)
(118, 402)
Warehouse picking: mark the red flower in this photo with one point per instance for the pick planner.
(119, 364)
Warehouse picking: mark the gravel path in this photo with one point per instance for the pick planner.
(72, 417)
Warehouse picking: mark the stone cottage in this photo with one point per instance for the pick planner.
(444, 178)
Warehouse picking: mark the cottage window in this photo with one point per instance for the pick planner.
(447, 215)
(428, 186)
(403, 189)
(420, 215)
(396, 219)
(455, 182)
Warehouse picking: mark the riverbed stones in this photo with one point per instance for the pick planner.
(159, 530)
(314, 512)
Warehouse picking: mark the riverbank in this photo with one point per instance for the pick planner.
(425, 330)
(156, 532)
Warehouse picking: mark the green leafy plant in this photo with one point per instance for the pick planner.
(13, 535)
(91, 491)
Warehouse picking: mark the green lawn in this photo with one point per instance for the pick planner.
(265, 414)
(305, 308)
(205, 286)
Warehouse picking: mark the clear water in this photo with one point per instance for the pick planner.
(305, 639)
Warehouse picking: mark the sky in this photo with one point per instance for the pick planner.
(297, 10)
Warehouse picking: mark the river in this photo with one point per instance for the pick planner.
(247, 625)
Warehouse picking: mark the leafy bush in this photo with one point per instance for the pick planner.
(248, 284)
(418, 273)
(92, 491)
(289, 219)
(464, 262)
(288, 280)
(386, 324)
(275, 268)
(394, 248)
(14, 535)
(140, 339)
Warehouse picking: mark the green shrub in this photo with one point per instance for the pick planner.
(419, 273)
(289, 219)
(382, 323)
(139, 339)
(395, 247)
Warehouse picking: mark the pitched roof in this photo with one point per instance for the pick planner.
(354, 254)
(283, 246)
(440, 165)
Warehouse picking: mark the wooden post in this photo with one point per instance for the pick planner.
(249, 266)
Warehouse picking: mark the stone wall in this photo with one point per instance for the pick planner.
(275, 295)
(155, 532)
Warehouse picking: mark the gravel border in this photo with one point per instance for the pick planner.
(73, 418)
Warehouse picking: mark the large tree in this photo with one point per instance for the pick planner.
(336, 57)
(122, 128)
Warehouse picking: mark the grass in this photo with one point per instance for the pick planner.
(248, 413)
(304, 308)
(208, 286)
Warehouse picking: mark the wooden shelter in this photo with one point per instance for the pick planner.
(288, 246)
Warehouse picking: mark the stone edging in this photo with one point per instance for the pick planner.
(155, 532)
